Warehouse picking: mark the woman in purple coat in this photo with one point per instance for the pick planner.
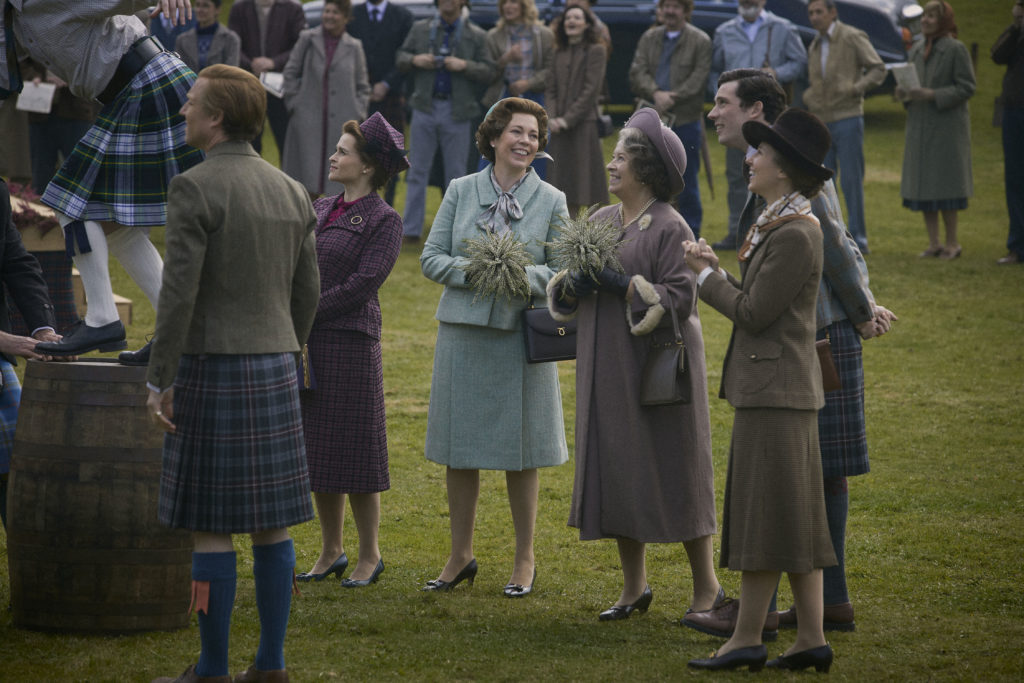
(358, 240)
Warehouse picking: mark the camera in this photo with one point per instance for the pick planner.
(442, 52)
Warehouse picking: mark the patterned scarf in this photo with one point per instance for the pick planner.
(498, 217)
(783, 210)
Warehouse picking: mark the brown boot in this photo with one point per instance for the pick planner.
(190, 676)
(834, 618)
(721, 621)
(254, 675)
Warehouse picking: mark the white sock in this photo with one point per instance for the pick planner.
(95, 274)
(141, 260)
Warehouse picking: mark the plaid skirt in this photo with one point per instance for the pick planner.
(10, 397)
(343, 418)
(237, 461)
(841, 428)
(119, 171)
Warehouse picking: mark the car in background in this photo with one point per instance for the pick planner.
(628, 19)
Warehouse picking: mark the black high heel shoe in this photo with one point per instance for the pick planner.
(468, 573)
(751, 657)
(339, 567)
(616, 612)
(515, 590)
(359, 583)
(818, 657)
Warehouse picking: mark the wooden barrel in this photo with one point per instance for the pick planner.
(85, 549)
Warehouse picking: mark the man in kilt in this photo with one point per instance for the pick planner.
(240, 292)
(846, 312)
(113, 185)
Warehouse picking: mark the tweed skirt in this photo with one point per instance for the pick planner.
(237, 461)
(842, 434)
(343, 418)
(489, 408)
(774, 516)
(119, 171)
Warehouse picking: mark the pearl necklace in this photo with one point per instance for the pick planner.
(622, 216)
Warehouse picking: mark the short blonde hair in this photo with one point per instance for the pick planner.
(238, 96)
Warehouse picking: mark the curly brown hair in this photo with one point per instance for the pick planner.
(646, 163)
(379, 177)
(498, 117)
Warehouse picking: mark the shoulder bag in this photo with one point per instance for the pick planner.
(665, 380)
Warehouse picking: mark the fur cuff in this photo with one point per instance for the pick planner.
(649, 295)
(552, 290)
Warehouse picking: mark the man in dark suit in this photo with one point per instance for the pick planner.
(22, 278)
(268, 29)
(382, 27)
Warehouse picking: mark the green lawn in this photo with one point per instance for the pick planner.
(935, 539)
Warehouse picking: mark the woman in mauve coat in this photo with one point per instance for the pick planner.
(325, 84)
(358, 237)
(571, 96)
(643, 473)
(937, 153)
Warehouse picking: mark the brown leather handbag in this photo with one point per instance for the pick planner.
(829, 374)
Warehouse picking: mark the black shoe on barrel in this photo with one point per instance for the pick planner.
(82, 339)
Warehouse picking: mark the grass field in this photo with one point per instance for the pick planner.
(934, 550)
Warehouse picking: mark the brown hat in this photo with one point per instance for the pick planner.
(798, 135)
(670, 149)
(384, 144)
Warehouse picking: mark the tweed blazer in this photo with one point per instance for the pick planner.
(284, 23)
(690, 66)
(853, 68)
(381, 41)
(355, 254)
(543, 53)
(771, 361)
(466, 85)
(21, 276)
(224, 48)
(843, 293)
(443, 257)
(240, 273)
(776, 40)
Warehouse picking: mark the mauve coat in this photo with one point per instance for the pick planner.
(310, 141)
(937, 151)
(643, 473)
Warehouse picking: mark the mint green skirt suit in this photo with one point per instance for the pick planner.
(489, 408)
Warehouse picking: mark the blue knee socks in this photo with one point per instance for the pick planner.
(273, 568)
(837, 504)
(215, 622)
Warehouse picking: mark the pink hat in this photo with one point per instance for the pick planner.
(665, 142)
(384, 144)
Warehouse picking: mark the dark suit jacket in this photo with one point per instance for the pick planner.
(771, 361)
(355, 255)
(284, 25)
(381, 41)
(240, 274)
(22, 277)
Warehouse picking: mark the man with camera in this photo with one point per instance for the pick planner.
(448, 59)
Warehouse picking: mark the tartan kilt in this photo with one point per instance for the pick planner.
(841, 427)
(119, 171)
(343, 417)
(236, 462)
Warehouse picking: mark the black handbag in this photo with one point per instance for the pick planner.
(665, 380)
(546, 338)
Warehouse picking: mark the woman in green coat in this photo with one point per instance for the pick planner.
(937, 152)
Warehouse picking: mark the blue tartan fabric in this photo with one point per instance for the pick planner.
(841, 429)
(56, 267)
(10, 397)
(119, 171)
(343, 418)
(237, 461)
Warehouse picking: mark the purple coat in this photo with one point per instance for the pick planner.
(355, 255)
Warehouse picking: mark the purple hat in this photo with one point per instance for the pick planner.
(384, 144)
(665, 142)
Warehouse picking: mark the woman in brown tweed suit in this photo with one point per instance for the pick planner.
(774, 518)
